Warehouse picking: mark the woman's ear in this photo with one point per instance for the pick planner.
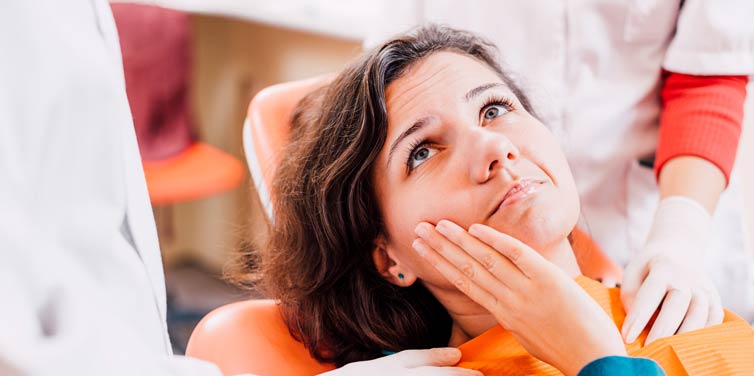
(389, 266)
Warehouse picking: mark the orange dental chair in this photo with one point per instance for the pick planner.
(251, 336)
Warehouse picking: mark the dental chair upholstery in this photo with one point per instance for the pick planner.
(251, 336)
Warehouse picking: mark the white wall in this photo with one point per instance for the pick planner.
(233, 60)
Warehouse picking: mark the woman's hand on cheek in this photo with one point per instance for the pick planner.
(428, 362)
(547, 312)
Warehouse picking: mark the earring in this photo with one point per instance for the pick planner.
(400, 276)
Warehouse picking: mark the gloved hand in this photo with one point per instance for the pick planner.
(668, 274)
(438, 361)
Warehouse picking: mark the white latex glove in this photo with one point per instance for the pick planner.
(438, 361)
(668, 274)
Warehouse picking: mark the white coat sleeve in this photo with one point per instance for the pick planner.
(77, 295)
(52, 321)
(713, 37)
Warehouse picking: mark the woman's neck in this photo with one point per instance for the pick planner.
(561, 254)
(470, 319)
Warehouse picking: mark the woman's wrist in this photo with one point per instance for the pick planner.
(612, 346)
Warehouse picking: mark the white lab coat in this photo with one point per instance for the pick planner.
(82, 290)
(592, 68)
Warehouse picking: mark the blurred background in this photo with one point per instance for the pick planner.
(192, 67)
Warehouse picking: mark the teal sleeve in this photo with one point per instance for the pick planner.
(622, 366)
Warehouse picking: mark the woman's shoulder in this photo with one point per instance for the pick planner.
(251, 337)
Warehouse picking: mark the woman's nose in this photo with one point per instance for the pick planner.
(489, 154)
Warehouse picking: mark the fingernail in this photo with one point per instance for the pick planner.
(422, 230)
(474, 229)
(451, 352)
(632, 334)
(443, 227)
(419, 247)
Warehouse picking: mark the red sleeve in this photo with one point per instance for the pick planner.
(701, 116)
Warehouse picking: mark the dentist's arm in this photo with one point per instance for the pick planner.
(77, 297)
(699, 132)
(55, 320)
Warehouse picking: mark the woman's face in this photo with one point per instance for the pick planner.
(460, 146)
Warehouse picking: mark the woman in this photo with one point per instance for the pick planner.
(653, 157)
(390, 165)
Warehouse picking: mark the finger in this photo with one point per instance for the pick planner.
(526, 259)
(648, 299)
(438, 357)
(445, 371)
(698, 314)
(633, 277)
(459, 258)
(498, 266)
(461, 281)
(609, 282)
(716, 311)
(674, 309)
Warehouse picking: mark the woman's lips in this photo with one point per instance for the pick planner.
(519, 191)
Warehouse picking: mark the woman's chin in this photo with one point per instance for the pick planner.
(535, 229)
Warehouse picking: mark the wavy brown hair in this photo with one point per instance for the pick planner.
(318, 259)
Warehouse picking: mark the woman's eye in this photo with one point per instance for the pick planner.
(493, 111)
(421, 155)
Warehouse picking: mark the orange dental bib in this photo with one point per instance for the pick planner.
(725, 349)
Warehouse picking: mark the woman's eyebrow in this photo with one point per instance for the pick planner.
(419, 124)
(424, 120)
(480, 89)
